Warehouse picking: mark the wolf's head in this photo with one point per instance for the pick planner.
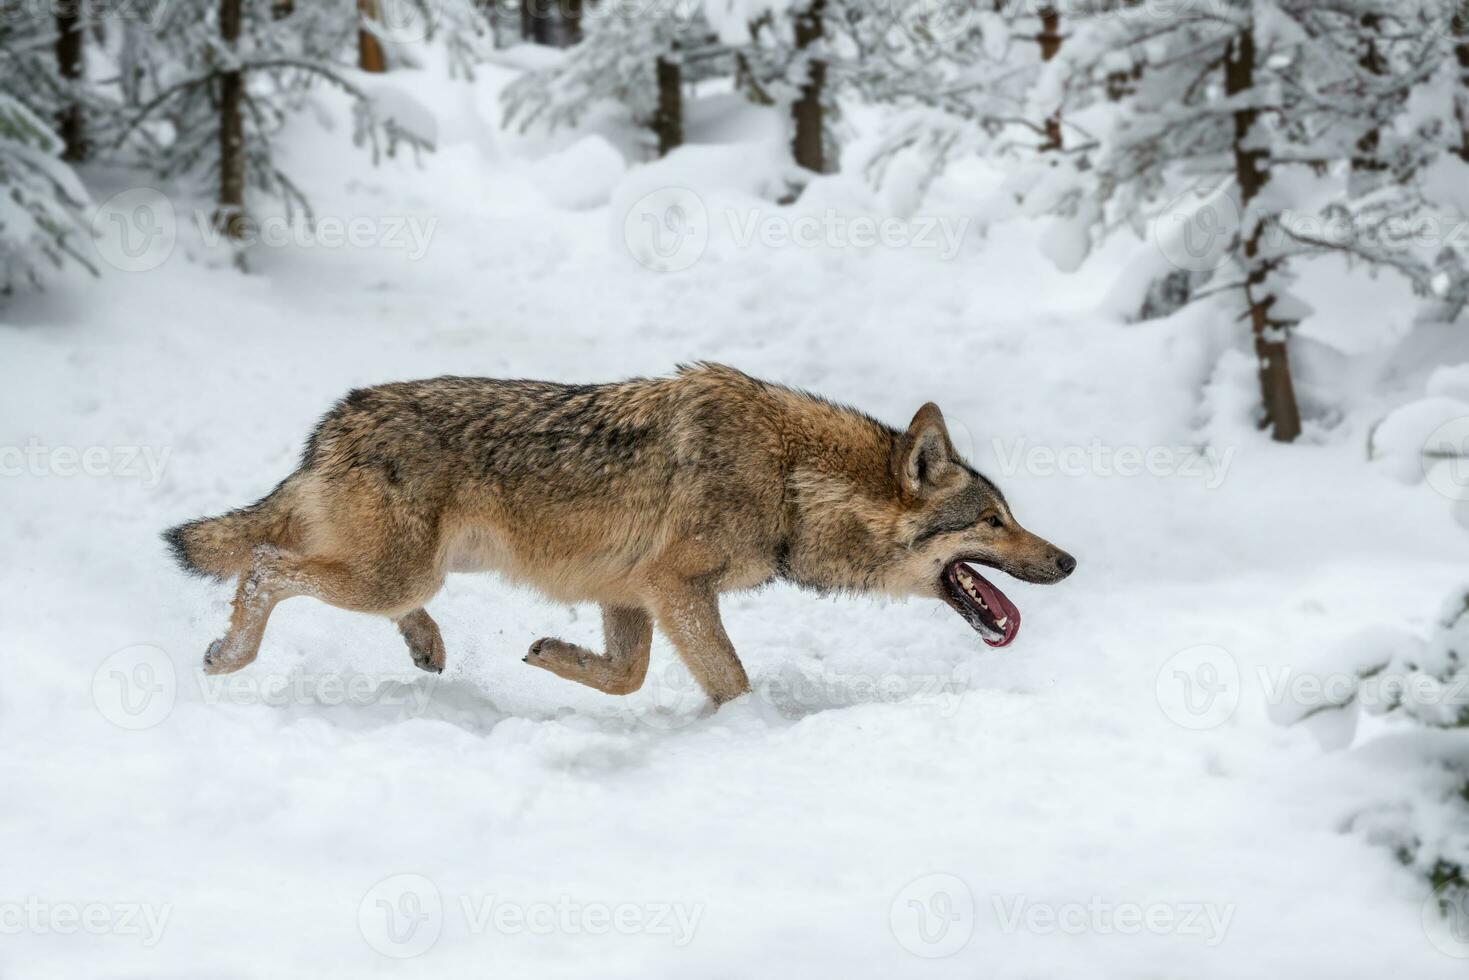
(957, 520)
(924, 527)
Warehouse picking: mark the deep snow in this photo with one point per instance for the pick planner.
(888, 769)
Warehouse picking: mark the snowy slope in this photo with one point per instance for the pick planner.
(891, 791)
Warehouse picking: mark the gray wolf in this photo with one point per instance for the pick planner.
(650, 497)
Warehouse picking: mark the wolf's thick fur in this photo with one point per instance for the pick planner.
(650, 497)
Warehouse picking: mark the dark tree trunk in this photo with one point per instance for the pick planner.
(571, 22)
(808, 144)
(1461, 57)
(668, 120)
(369, 49)
(1365, 160)
(69, 60)
(230, 217)
(536, 23)
(1251, 168)
(1049, 40)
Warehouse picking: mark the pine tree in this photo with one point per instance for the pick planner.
(70, 66)
(41, 201)
(217, 80)
(42, 225)
(638, 61)
(1420, 682)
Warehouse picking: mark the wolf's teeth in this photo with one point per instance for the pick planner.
(1002, 621)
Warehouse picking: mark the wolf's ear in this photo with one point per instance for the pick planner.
(923, 453)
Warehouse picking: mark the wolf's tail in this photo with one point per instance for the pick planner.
(220, 547)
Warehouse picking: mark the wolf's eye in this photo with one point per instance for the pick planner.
(994, 521)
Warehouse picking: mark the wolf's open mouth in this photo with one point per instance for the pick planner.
(983, 606)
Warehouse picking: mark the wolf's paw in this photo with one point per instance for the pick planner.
(427, 650)
(425, 642)
(221, 659)
(550, 654)
(433, 662)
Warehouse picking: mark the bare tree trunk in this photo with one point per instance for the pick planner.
(69, 59)
(571, 22)
(1251, 168)
(369, 48)
(536, 23)
(1049, 40)
(808, 143)
(668, 120)
(230, 217)
(1460, 26)
(1365, 161)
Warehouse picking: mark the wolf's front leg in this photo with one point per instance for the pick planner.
(629, 638)
(688, 614)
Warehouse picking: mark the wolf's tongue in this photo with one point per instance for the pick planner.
(1004, 614)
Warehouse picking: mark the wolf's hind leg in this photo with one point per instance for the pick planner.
(277, 575)
(260, 589)
(425, 642)
(629, 638)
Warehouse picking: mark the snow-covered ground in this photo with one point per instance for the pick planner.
(1106, 798)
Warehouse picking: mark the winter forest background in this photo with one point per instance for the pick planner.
(1118, 241)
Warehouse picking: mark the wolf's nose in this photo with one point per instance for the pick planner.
(1066, 563)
